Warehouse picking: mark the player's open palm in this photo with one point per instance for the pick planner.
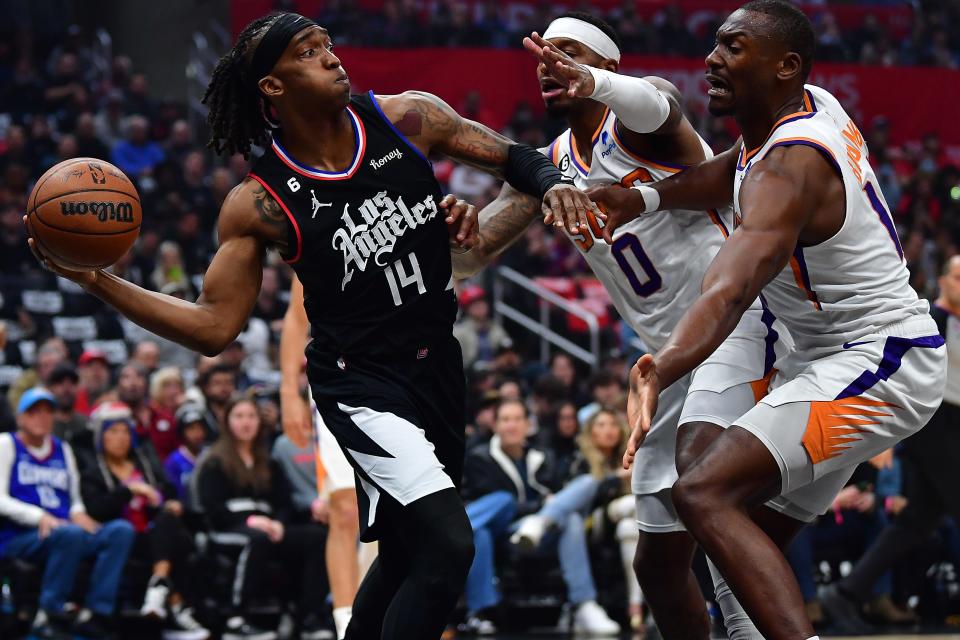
(641, 405)
(619, 204)
(568, 73)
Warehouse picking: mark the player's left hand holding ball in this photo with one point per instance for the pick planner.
(83, 278)
(641, 404)
(461, 222)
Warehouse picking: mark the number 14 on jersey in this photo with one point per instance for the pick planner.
(400, 276)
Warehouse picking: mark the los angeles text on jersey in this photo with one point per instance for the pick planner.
(383, 220)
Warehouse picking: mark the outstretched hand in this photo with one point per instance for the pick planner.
(620, 205)
(641, 404)
(83, 278)
(574, 76)
(461, 219)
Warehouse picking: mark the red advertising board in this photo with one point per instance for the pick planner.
(696, 13)
(915, 100)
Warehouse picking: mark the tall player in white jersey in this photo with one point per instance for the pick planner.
(817, 239)
(632, 131)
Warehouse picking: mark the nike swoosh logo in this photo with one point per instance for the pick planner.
(848, 345)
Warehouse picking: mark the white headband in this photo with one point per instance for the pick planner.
(584, 33)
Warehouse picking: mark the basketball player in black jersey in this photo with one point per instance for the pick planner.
(345, 192)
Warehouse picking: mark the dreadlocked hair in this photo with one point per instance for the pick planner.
(237, 109)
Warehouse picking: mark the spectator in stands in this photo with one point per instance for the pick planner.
(94, 372)
(478, 333)
(605, 389)
(65, 87)
(62, 383)
(299, 465)
(269, 306)
(253, 357)
(147, 355)
(152, 425)
(559, 434)
(44, 521)
(50, 354)
(507, 478)
(138, 97)
(243, 492)
(88, 144)
(170, 269)
(194, 432)
(180, 142)
(217, 384)
(136, 155)
(602, 443)
(563, 369)
(193, 188)
(126, 483)
(167, 390)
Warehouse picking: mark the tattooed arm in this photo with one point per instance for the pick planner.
(502, 222)
(250, 220)
(432, 125)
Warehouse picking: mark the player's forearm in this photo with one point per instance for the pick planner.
(636, 102)
(192, 325)
(704, 326)
(293, 341)
(708, 185)
(501, 222)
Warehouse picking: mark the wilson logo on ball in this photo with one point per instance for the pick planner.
(119, 211)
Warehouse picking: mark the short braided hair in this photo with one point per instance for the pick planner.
(237, 117)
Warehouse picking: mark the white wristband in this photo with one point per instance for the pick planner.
(651, 198)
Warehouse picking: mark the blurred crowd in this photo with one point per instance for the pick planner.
(934, 38)
(171, 404)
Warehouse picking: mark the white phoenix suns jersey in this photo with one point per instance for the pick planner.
(655, 266)
(856, 281)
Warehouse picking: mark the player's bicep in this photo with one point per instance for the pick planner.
(464, 140)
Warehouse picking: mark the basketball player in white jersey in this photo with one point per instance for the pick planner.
(632, 131)
(817, 240)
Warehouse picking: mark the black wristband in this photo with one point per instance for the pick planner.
(531, 172)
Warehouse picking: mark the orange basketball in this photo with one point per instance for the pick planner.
(84, 214)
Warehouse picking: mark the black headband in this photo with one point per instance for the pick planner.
(275, 42)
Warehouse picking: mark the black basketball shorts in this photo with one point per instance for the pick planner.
(399, 420)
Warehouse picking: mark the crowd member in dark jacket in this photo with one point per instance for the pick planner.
(505, 479)
(246, 498)
(127, 482)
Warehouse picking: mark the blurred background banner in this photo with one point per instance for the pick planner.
(897, 16)
(506, 78)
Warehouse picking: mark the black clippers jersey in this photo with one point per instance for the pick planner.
(369, 244)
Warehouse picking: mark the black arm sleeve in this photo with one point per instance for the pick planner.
(531, 172)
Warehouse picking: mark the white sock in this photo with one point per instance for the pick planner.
(341, 618)
(735, 619)
(814, 638)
